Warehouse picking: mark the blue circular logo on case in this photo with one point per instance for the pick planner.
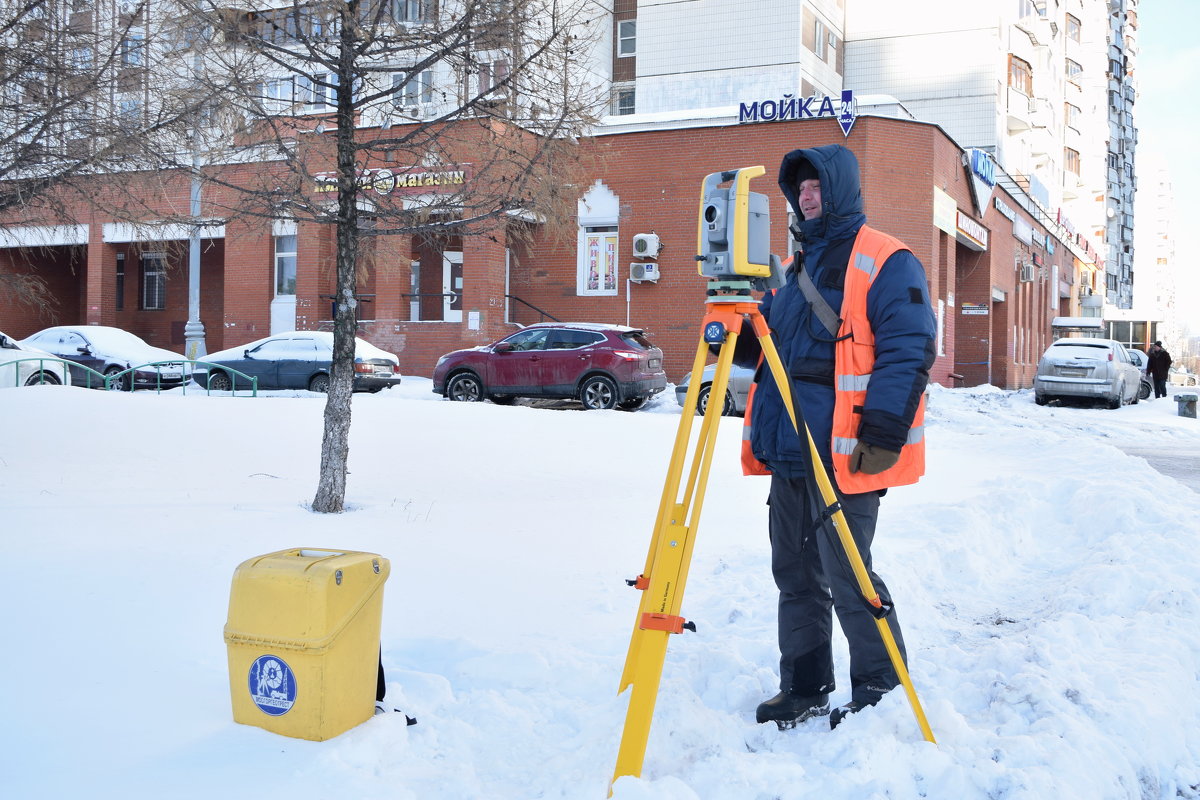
(272, 685)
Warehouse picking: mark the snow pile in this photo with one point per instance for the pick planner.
(1046, 581)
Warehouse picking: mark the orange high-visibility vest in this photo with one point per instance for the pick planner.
(854, 360)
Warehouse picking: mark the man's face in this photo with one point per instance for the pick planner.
(810, 198)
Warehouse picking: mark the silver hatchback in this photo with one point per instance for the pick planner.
(1087, 369)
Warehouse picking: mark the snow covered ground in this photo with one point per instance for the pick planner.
(1049, 585)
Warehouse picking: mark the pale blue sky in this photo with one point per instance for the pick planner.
(1167, 117)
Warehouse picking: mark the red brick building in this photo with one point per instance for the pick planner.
(996, 278)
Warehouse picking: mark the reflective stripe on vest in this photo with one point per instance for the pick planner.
(854, 359)
(845, 447)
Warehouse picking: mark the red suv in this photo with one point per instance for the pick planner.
(603, 366)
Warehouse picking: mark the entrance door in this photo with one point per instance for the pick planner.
(452, 286)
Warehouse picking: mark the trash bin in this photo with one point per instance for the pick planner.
(1187, 404)
(303, 640)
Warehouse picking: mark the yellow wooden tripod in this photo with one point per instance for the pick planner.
(667, 562)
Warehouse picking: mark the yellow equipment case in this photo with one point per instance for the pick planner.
(303, 640)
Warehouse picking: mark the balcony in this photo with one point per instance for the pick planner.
(1020, 111)
(1039, 29)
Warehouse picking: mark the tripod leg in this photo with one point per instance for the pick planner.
(666, 507)
(668, 563)
(829, 496)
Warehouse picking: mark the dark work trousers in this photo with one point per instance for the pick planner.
(814, 576)
(1160, 387)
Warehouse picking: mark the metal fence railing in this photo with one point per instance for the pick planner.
(75, 373)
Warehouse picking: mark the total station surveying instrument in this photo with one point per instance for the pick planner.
(733, 245)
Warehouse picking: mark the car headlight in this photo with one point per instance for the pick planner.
(441, 361)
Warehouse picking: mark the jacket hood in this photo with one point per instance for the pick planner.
(841, 191)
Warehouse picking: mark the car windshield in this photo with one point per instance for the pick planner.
(637, 339)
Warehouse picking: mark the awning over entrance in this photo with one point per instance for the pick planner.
(118, 232)
(43, 235)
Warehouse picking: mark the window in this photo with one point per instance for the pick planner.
(1020, 75)
(492, 75)
(1073, 27)
(411, 89)
(1027, 8)
(410, 10)
(285, 265)
(1074, 68)
(627, 37)
(120, 304)
(598, 260)
(819, 38)
(317, 93)
(277, 27)
(154, 281)
(624, 101)
(1071, 117)
(565, 339)
(133, 48)
(129, 110)
(1071, 160)
(277, 95)
(533, 339)
(81, 58)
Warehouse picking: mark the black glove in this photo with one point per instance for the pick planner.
(872, 459)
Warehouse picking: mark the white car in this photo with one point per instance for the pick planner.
(736, 394)
(27, 373)
(1180, 377)
(1087, 369)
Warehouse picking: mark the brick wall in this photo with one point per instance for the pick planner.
(657, 176)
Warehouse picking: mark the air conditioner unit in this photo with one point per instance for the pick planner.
(643, 271)
(1085, 291)
(646, 245)
(1026, 273)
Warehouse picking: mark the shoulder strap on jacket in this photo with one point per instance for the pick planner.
(820, 307)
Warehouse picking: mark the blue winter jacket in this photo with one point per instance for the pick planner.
(897, 306)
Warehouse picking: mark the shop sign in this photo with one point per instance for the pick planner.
(1004, 208)
(982, 170)
(944, 211)
(403, 182)
(971, 233)
(1023, 230)
(790, 107)
(975, 309)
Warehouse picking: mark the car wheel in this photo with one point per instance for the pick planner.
(121, 384)
(1117, 400)
(1143, 390)
(48, 378)
(598, 392)
(220, 382)
(465, 387)
(319, 383)
(1041, 399)
(702, 402)
(634, 404)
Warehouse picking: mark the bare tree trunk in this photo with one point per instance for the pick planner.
(335, 443)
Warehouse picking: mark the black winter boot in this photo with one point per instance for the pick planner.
(787, 710)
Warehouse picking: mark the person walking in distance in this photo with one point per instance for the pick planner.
(1158, 367)
(855, 330)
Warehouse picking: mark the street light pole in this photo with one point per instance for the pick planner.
(193, 330)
